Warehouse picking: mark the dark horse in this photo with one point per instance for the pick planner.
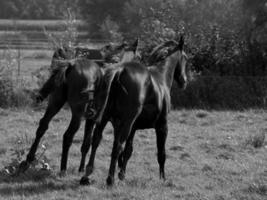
(106, 54)
(139, 98)
(80, 83)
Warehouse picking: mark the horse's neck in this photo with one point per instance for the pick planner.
(167, 70)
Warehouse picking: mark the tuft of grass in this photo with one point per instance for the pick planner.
(258, 188)
(18, 151)
(256, 140)
(201, 114)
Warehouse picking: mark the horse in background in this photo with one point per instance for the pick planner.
(110, 53)
(80, 83)
(139, 98)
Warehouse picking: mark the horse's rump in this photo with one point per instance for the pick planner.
(61, 70)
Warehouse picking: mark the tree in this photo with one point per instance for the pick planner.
(95, 12)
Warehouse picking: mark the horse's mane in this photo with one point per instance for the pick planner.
(157, 61)
(162, 51)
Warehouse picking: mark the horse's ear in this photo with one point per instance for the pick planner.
(59, 53)
(135, 44)
(124, 43)
(181, 42)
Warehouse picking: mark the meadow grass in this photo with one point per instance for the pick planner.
(208, 157)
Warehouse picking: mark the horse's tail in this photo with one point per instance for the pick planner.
(56, 79)
(111, 74)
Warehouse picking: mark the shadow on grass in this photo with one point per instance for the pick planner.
(34, 182)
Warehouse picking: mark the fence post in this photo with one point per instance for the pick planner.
(18, 61)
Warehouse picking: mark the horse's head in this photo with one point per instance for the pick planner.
(131, 52)
(112, 52)
(180, 73)
(62, 53)
(119, 52)
(171, 53)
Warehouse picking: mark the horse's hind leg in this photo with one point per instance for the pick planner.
(55, 103)
(89, 125)
(68, 137)
(125, 155)
(161, 132)
(97, 136)
(47, 88)
(121, 134)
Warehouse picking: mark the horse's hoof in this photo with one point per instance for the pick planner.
(86, 181)
(121, 175)
(110, 181)
(23, 166)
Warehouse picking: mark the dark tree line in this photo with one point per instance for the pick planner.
(36, 9)
(223, 37)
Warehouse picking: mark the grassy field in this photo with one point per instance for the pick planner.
(210, 155)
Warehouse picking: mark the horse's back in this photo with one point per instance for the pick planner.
(135, 77)
(128, 89)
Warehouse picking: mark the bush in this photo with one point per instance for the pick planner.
(222, 93)
(6, 86)
(14, 94)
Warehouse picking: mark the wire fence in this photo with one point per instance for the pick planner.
(45, 44)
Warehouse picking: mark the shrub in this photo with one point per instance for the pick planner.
(6, 86)
(13, 92)
(222, 93)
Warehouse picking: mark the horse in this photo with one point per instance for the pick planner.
(107, 54)
(80, 83)
(139, 98)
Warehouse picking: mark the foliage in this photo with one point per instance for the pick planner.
(18, 152)
(110, 30)
(223, 37)
(97, 12)
(70, 34)
(221, 92)
(12, 89)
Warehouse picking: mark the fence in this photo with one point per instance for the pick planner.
(44, 43)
